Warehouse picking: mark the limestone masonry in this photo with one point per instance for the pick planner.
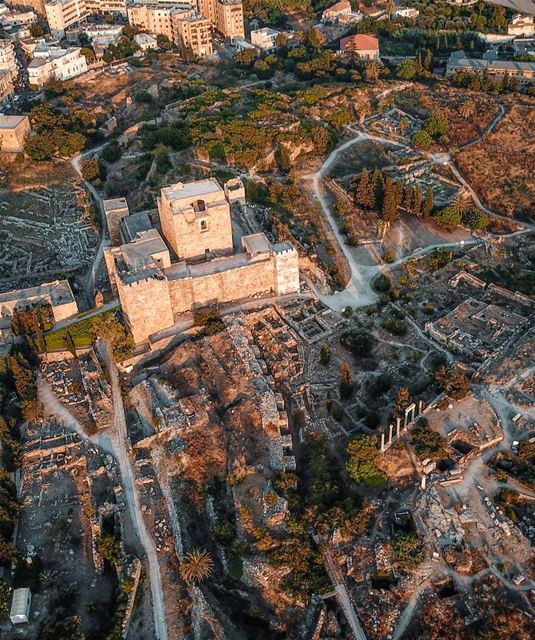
(194, 264)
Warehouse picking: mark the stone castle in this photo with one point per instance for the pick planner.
(193, 262)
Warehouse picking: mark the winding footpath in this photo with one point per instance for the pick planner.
(118, 440)
(104, 240)
(359, 291)
(114, 442)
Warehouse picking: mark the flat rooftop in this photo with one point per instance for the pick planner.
(217, 265)
(135, 223)
(10, 122)
(186, 190)
(113, 204)
(137, 254)
(59, 291)
(256, 243)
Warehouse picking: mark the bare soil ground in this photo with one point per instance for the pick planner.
(502, 166)
(33, 175)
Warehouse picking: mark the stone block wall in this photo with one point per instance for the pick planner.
(225, 286)
(113, 219)
(146, 306)
(110, 266)
(185, 234)
(286, 267)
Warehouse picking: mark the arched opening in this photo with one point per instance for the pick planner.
(199, 205)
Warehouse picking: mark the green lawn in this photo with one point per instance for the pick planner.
(80, 332)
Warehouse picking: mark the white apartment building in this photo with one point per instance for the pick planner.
(54, 62)
(521, 26)
(10, 19)
(264, 39)
(8, 60)
(106, 6)
(406, 12)
(61, 14)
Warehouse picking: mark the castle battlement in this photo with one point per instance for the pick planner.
(152, 289)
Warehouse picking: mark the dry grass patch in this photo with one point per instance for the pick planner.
(502, 166)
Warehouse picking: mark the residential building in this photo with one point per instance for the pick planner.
(61, 14)
(180, 23)
(7, 89)
(406, 12)
(337, 12)
(11, 20)
(154, 18)
(195, 222)
(524, 45)
(522, 72)
(462, 3)
(363, 46)
(145, 42)
(225, 15)
(54, 62)
(241, 44)
(521, 25)
(13, 132)
(106, 6)
(8, 61)
(35, 5)
(264, 39)
(192, 32)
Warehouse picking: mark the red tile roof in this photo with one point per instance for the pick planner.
(359, 42)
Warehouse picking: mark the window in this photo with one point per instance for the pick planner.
(204, 225)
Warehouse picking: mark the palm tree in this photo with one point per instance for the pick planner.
(461, 204)
(372, 70)
(196, 566)
(467, 109)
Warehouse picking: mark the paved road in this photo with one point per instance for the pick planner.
(119, 445)
(104, 241)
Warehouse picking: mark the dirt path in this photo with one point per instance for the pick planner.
(114, 442)
(119, 444)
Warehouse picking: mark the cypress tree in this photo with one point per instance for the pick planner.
(417, 200)
(377, 187)
(346, 381)
(389, 201)
(363, 189)
(409, 198)
(429, 203)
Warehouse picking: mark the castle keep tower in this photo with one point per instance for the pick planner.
(195, 219)
(195, 222)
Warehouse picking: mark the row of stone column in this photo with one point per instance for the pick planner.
(411, 412)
